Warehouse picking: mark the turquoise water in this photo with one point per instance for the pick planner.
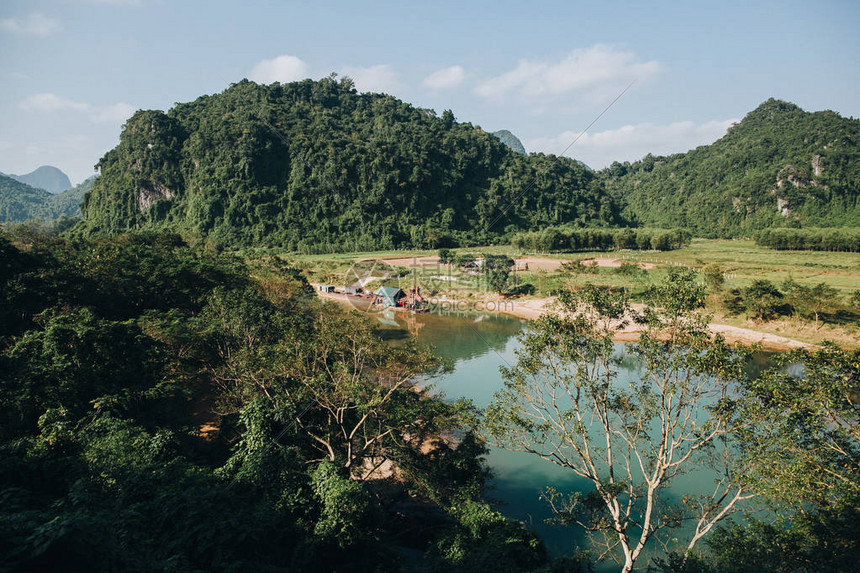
(477, 345)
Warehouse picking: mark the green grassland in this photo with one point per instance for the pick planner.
(742, 262)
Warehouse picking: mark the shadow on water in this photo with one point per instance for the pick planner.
(477, 345)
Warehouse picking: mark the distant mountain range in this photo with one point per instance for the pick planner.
(315, 165)
(20, 202)
(45, 177)
(510, 140)
(780, 166)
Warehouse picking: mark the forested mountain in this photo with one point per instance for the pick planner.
(780, 166)
(45, 177)
(314, 165)
(20, 202)
(510, 140)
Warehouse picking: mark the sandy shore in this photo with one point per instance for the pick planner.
(534, 308)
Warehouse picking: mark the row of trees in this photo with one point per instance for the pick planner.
(568, 239)
(789, 239)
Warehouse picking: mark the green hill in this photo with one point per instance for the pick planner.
(20, 202)
(314, 165)
(780, 166)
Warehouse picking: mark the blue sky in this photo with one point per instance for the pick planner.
(73, 70)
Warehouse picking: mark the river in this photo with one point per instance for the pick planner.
(477, 345)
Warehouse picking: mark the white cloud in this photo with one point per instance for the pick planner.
(632, 142)
(116, 113)
(445, 78)
(34, 24)
(50, 103)
(595, 74)
(379, 78)
(282, 69)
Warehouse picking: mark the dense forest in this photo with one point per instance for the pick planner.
(19, 202)
(166, 408)
(780, 166)
(314, 165)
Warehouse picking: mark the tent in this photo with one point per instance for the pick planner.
(389, 295)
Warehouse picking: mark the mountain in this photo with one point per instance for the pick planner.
(780, 166)
(45, 177)
(20, 202)
(316, 166)
(510, 140)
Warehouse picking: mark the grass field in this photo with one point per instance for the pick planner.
(742, 263)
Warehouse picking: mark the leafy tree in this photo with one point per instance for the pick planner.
(805, 445)
(497, 272)
(445, 256)
(563, 403)
(812, 299)
(762, 300)
(714, 278)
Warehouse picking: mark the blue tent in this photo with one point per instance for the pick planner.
(389, 295)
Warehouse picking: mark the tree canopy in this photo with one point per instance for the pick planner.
(314, 165)
(780, 166)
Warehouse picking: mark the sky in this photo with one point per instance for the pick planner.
(73, 71)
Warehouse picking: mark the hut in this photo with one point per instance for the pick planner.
(389, 296)
(325, 288)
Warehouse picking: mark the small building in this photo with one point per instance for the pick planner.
(389, 296)
(325, 288)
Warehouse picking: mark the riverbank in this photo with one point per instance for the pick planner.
(532, 309)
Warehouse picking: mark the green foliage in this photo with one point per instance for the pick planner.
(713, 275)
(344, 518)
(570, 239)
(483, 540)
(762, 300)
(113, 354)
(805, 446)
(780, 166)
(809, 300)
(315, 166)
(817, 541)
(497, 272)
(19, 202)
(563, 403)
(445, 256)
(810, 239)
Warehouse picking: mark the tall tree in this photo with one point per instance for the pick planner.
(563, 402)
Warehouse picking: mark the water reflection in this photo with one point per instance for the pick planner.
(477, 345)
(456, 337)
